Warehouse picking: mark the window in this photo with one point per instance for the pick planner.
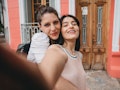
(35, 4)
(99, 25)
(116, 28)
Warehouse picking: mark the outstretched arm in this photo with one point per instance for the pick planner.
(52, 64)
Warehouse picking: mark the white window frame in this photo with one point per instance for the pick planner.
(56, 4)
(6, 22)
(72, 7)
(116, 28)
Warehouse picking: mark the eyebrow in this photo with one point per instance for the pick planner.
(64, 22)
(67, 22)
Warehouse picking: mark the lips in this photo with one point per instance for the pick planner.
(54, 34)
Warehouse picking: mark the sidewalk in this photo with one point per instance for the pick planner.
(99, 80)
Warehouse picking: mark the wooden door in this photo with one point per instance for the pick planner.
(93, 16)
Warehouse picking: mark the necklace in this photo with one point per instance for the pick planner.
(73, 56)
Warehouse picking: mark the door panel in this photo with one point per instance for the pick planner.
(93, 16)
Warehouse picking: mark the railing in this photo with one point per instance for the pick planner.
(28, 30)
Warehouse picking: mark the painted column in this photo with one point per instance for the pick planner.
(56, 5)
(14, 23)
(113, 60)
(6, 23)
(72, 7)
(64, 7)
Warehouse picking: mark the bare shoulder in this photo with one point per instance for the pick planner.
(56, 51)
(54, 46)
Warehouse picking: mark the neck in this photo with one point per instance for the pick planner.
(70, 46)
(52, 42)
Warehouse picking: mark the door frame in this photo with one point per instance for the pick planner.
(91, 24)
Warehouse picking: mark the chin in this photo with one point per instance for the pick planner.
(55, 38)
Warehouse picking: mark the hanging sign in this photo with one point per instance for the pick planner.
(84, 10)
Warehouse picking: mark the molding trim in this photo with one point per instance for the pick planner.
(72, 7)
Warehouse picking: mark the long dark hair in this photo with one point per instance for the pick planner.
(61, 39)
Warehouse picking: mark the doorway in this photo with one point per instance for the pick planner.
(93, 17)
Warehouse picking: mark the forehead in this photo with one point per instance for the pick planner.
(68, 19)
(49, 17)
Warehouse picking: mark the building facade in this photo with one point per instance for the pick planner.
(99, 28)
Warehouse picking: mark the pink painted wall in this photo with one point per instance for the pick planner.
(14, 23)
(113, 60)
(64, 7)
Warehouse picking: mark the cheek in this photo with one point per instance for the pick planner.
(78, 30)
(45, 30)
(63, 32)
(58, 28)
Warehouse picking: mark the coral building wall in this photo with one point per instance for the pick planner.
(113, 60)
(64, 7)
(14, 23)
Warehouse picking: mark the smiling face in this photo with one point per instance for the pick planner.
(70, 29)
(50, 25)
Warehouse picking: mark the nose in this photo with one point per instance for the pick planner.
(53, 27)
(70, 25)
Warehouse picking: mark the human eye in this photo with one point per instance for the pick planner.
(74, 23)
(65, 24)
(56, 22)
(47, 25)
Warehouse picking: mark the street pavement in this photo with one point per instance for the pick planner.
(100, 80)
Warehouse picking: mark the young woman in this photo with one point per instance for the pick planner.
(65, 60)
(49, 24)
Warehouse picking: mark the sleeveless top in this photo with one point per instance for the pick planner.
(74, 71)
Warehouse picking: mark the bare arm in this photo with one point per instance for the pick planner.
(53, 64)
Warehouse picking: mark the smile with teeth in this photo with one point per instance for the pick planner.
(71, 31)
